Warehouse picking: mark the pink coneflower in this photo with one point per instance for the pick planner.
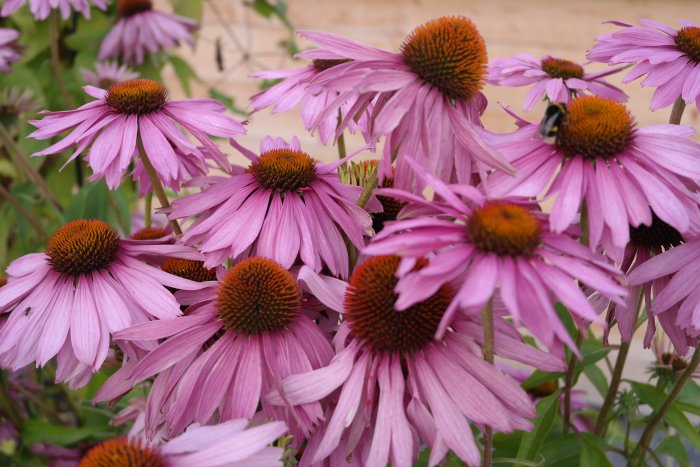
(398, 387)
(15, 102)
(86, 286)
(108, 74)
(225, 444)
(670, 363)
(603, 159)
(140, 29)
(427, 98)
(40, 9)
(491, 245)
(668, 57)
(9, 49)
(286, 205)
(240, 338)
(294, 90)
(556, 79)
(677, 284)
(133, 115)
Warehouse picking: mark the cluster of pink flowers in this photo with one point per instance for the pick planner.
(284, 306)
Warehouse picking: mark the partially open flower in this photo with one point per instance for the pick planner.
(40, 9)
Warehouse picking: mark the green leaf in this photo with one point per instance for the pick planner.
(673, 447)
(89, 33)
(189, 8)
(184, 73)
(531, 443)
(227, 100)
(505, 445)
(593, 452)
(675, 417)
(540, 377)
(40, 431)
(596, 376)
(689, 398)
(562, 452)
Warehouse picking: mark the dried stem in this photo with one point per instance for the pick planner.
(5, 193)
(487, 349)
(677, 111)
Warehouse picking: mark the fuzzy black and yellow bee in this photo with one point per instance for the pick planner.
(554, 118)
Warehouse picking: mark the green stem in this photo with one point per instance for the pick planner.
(601, 424)
(148, 208)
(371, 183)
(569, 383)
(677, 111)
(487, 349)
(637, 457)
(156, 185)
(14, 202)
(585, 230)
(342, 152)
(55, 31)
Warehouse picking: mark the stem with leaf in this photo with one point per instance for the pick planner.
(487, 349)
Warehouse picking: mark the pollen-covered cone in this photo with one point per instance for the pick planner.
(88, 284)
(397, 387)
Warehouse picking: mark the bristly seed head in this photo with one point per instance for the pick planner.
(122, 452)
(324, 64)
(369, 309)
(82, 246)
(688, 41)
(659, 235)
(136, 96)
(448, 53)
(132, 7)
(150, 233)
(189, 269)
(258, 295)
(596, 128)
(505, 229)
(284, 170)
(560, 68)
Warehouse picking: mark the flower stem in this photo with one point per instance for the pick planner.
(14, 202)
(487, 349)
(601, 424)
(342, 152)
(569, 383)
(371, 183)
(637, 457)
(677, 111)
(156, 185)
(147, 209)
(55, 31)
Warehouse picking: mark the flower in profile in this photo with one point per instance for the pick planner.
(670, 363)
(602, 159)
(225, 444)
(107, 74)
(40, 9)
(285, 206)
(140, 29)
(427, 98)
(495, 246)
(557, 79)
(294, 90)
(675, 287)
(668, 57)
(14, 102)
(9, 49)
(86, 286)
(230, 342)
(135, 117)
(395, 381)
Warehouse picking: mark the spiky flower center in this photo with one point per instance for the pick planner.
(369, 309)
(543, 390)
(560, 68)
(448, 53)
(189, 269)
(655, 236)
(284, 170)
(596, 128)
(256, 296)
(324, 64)
(132, 7)
(136, 96)
(505, 229)
(688, 42)
(82, 246)
(122, 452)
(150, 233)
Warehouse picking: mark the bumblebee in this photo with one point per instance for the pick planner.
(554, 118)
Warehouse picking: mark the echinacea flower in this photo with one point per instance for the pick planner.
(670, 363)
(674, 275)
(9, 49)
(140, 29)
(240, 337)
(555, 78)
(397, 387)
(294, 89)
(233, 443)
(107, 74)
(619, 170)
(495, 246)
(14, 102)
(40, 9)
(285, 206)
(427, 98)
(86, 286)
(668, 57)
(136, 116)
